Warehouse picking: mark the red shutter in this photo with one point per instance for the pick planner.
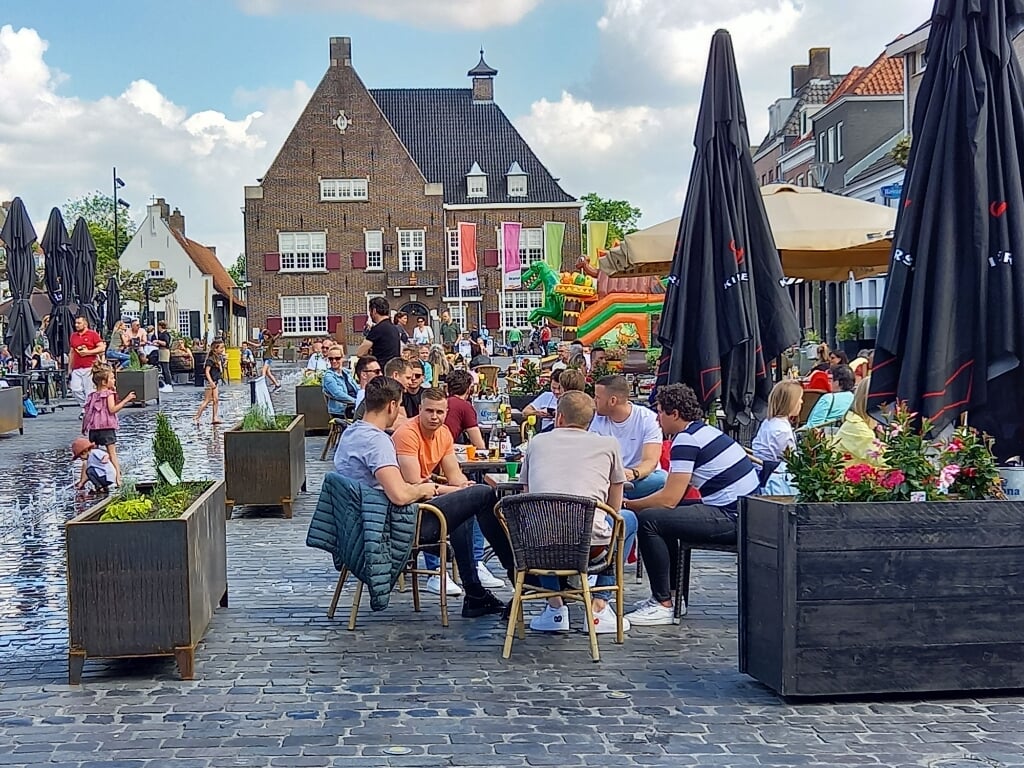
(274, 325)
(333, 321)
(333, 260)
(490, 257)
(272, 262)
(359, 323)
(358, 260)
(492, 320)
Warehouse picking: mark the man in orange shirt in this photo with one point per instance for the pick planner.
(424, 447)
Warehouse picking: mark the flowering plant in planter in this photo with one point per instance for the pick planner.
(311, 378)
(903, 463)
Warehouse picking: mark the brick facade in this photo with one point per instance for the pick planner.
(399, 197)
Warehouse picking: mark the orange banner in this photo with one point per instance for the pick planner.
(467, 256)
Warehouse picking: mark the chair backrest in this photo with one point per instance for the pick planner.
(549, 531)
(811, 398)
(488, 376)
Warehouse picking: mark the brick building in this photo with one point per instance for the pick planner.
(364, 198)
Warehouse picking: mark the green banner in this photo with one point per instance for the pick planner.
(554, 235)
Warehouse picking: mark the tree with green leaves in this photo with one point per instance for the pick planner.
(237, 270)
(622, 217)
(133, 286)
(98, 211)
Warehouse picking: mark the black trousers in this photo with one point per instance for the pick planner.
(459, 510)
(661, 530)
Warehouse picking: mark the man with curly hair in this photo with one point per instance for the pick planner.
(713, 463)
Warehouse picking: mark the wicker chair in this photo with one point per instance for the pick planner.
(550, 536)
(412, 570)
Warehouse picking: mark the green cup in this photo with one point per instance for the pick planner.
(512, 469)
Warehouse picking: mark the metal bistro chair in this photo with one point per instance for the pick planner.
(550, 536)
(336, 425)
(411, 569)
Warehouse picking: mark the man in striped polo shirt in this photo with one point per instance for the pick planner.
(704, 457)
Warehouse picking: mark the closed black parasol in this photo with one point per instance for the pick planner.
(113, 309)
(58, 266)
(726, 310)
(951, 333)
(84, 251)
(18, 235)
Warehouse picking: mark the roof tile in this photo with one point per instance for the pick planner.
(883, 77)
(208, 263)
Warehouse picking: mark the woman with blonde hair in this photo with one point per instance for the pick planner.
(856, 435)
(775, 434)
(439, 365)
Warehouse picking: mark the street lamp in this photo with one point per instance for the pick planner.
(118, 184)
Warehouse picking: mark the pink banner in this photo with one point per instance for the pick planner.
(467, 255)
(511, 276)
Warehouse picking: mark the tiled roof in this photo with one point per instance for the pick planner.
(813, 92)
(883, 77)
(446, 132)
(207, 263)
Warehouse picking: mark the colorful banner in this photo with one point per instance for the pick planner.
(511, 275)
(467, 257)
(597, 239)
(554, 235)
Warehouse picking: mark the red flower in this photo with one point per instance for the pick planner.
(891, 480)
(859, 473)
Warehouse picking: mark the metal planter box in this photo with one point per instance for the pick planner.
(310, 403)
(145, 588)
(145, 384)
(869, 598)
(12, 410)
(265, 468)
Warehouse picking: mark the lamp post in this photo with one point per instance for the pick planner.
(118, 184)
(829, 294)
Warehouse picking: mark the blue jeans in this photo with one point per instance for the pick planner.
(653, 483)
(120, 357)
(479, 543)
(604, 579)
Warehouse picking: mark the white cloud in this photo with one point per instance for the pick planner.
(468, 14)
(54, 148)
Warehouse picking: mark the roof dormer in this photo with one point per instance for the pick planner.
(516, 178)
(476, 182)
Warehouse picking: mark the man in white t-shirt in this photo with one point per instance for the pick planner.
(544, 405)
(637, 431)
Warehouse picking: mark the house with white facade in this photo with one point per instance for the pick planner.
(206, 296)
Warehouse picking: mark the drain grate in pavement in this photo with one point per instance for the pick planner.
(964, 762)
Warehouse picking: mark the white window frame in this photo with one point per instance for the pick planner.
(373, 244)
(516, 307)
(476, 186)
(823, 147)
(517, 186)
(344, 190)
(454, 252)
(831, 144)
(302, 251)
(531, 246)
(184, 323)
(412, 250)
(458, 314)
(303, 315)
(839, 140)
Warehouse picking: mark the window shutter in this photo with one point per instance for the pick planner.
(272, 262)
(193, 324)
(358, 260)
(359, 323)
(333, 321)
(274, 325)
(491, 257)
(333, 260)
(492, 320)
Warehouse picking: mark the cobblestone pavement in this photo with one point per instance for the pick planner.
(277, 684)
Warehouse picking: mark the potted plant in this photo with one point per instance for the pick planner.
(524, 385)
(137, 377)
(615, 356)
(288, 353)
(147, 566)
(265, 460)
(898, 576)
(12, 410)
(849, 333)
(311, 403)
(871, 327)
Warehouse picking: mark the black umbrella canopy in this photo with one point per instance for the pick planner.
(726, 310)
(58, 273)
(18, 235)
(113, 309)
(951, 333)
(83, 250)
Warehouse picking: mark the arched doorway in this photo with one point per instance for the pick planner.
(415, 309)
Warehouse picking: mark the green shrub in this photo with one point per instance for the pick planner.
(167, 448)
(259, 419)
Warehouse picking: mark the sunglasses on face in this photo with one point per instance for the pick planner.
(332, 359)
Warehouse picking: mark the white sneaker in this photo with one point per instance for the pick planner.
(592, 580)
(487, 579)
(604, 621)
(639, 606)
(551, 620)
(434, 585)
(166, 388)
(654, 615)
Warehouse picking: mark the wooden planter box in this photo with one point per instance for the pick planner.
(145, 384)
(310, 403)
(869, 598)
(265, 468)
(145, 588)
(12, 410)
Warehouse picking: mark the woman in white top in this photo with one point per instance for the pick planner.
(422, 333)
(776, 435)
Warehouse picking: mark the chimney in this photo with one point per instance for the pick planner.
(799, 75)
(212, 249)
(177, 221)
(165, 209)
(483, 81)
(821, 64)
(341, 51)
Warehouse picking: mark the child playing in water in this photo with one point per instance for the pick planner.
(99, 420)
(96, 465)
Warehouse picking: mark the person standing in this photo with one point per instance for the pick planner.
(99, 418)
(515, 340)
(402, 323)
(86, 348)
(163, 348)
(213, 372)
(422, 333)
(383, 341)
(450, 331)
(545, 338)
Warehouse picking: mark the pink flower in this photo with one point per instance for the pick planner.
(947, 475)
(876, 450)
(858, 473)
(956, 445)
(892, 479)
